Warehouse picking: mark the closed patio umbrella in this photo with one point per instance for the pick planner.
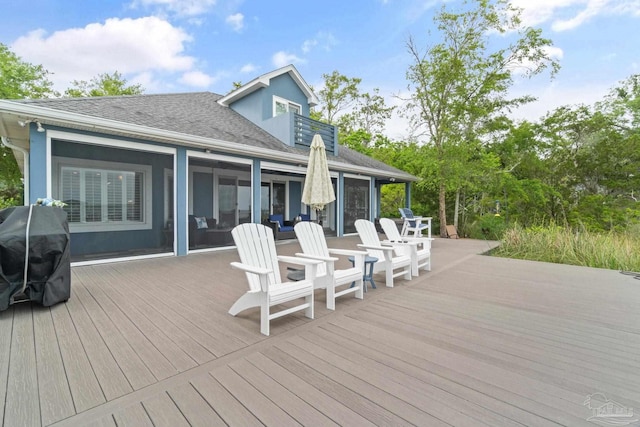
(318, 190)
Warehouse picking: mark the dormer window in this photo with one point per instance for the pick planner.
(281, 106)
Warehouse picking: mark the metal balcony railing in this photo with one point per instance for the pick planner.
(305, 128)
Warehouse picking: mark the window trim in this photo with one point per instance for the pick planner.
(74, 227)
(288, 103)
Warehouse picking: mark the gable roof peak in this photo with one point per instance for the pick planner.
(265, 80)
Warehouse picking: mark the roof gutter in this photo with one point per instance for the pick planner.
(25, 176)
(171, 137)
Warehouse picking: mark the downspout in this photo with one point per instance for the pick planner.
(25, 169)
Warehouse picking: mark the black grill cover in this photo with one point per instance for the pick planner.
(49, 270)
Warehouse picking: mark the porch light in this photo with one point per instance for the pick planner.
(23, 123)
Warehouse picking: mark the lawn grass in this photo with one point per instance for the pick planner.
(613, 250)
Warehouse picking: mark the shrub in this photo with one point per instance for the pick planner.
(5, 203)
(611, 250)
(489, 226)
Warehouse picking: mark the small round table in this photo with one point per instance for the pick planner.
(367, 276)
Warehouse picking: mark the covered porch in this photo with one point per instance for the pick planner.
(477, 341)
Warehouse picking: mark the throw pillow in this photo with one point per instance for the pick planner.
(201, 222)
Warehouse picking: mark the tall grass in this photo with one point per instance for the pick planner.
(617, 251)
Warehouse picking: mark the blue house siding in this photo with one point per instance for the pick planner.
(258, 105)
(37, 165)
(284, 86)
(281, 127)
(256, 201)
(182, 201)
(173, 180)
(251, 106)
(340, 204)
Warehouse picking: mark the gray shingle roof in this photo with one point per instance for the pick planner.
(196, 114)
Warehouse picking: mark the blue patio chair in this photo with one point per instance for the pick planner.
(281, 229)
(414, 223)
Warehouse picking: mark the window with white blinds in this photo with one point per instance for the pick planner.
(103, 196)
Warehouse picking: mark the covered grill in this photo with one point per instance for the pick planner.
(34, 255)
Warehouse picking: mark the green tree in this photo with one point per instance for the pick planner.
(577, 166)
(338, 95)
(622, 108)
(622, 104)
(103, 85)
(359, 117)
(369, 115)
(459, 86)
(523, 186)
(18, 80)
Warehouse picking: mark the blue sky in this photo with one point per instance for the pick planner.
(206, 45)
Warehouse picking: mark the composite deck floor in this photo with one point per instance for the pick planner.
(478, 341)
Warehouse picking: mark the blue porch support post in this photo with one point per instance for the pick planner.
(182, 198)
(407, 194)
(378, 199)
(372, 199)
(340, 205)
(39, 170)
(256, 185)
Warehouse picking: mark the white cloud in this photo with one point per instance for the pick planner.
(569, 14)
(398, 127)
(550, 97)
(592, 9)
(307, 45)
(552, 52)
(282, 58)
(535, 13)
(129, 46)
(236, 21)
(555, 95)
(248, 69)
(197, 79)
(179, 7)
(323, 39)
(148, 81)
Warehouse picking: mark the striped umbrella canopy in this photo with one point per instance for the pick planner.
(318, 190)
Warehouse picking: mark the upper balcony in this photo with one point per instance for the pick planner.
(305, 128)
(297, 131)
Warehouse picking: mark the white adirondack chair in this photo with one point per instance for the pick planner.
(419, 248)
(391, 258)
(259, 260)
(314, 246)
